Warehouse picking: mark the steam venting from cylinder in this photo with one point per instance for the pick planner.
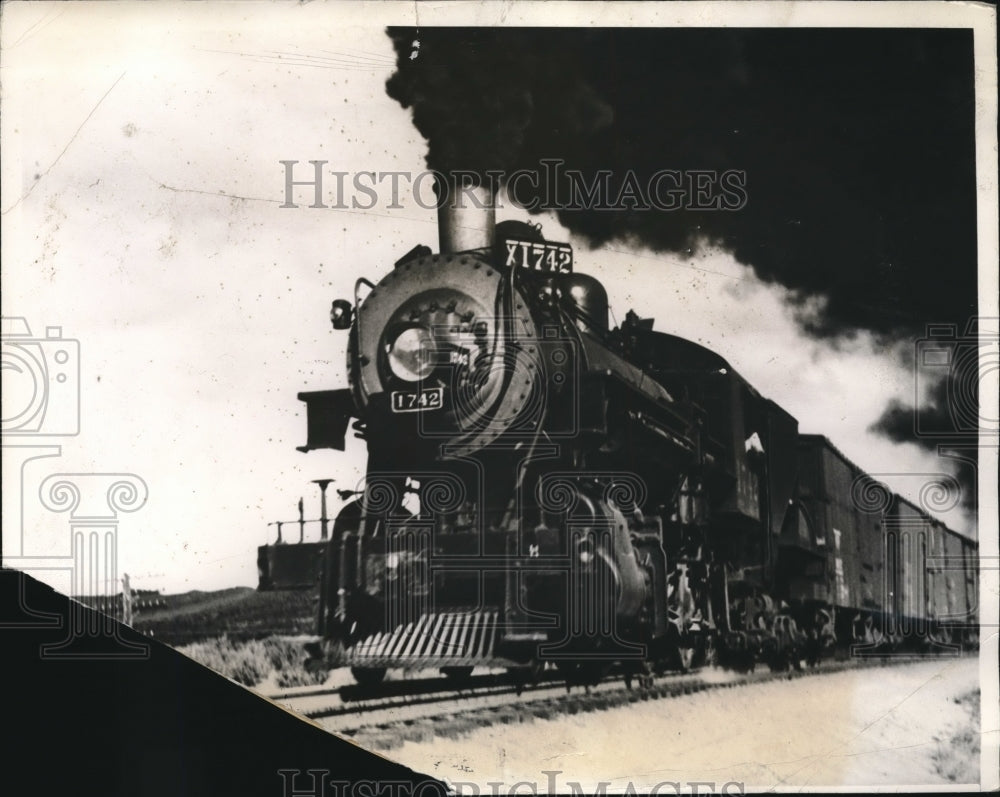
(466, 217)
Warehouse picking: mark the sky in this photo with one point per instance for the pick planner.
(141, 212)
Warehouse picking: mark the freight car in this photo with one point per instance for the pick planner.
(282, 565)
(545, 489)
(890, 571)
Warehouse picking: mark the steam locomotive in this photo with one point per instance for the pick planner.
(545, 490)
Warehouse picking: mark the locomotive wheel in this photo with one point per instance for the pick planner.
(707, 652)
(368, 676)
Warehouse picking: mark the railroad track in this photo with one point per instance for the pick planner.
(419, 710)
(355, 701)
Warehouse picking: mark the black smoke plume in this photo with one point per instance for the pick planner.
(858, 148)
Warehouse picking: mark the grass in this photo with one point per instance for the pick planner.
(250, 662)
(958, 758)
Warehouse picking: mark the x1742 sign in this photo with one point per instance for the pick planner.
(538, 255)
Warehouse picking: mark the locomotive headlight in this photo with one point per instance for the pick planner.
(411, 354)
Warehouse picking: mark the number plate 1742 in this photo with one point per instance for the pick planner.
(417, 400)
(539, 255)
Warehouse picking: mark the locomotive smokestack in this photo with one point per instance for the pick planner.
(466, 218)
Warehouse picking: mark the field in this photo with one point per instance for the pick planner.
(240, 614)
